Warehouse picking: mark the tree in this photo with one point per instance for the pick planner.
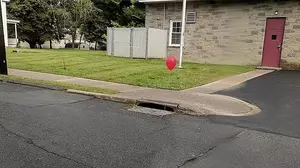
(134, 14)
(128, 13)
(59, 21)
(94, 27)
(34, 18)
(78, 11)
(41, 20)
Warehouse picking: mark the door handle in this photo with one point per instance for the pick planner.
(279, 45)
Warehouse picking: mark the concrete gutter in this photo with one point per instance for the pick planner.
(192, 104)
(188, 103)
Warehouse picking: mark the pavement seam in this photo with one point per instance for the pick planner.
(31, 142)
(249, 128)
(223, 141)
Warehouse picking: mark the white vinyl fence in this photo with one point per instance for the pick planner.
(137, 42)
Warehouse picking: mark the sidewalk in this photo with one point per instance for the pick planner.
(194, 101)
(74, 80)
(228, 82)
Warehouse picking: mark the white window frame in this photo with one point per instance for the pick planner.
(170, 33)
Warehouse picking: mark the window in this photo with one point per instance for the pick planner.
(175, 33)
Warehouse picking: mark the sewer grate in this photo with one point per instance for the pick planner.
(160, 105)
(154, 107)
(151, 111)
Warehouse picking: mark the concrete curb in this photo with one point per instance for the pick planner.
(184, 108)
(34, 84)
(204, 111)
(104, 96)
(252, 108)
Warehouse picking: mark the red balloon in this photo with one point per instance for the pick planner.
(171, 62)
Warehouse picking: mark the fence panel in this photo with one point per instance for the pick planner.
(109, 41)
(157, 43)
(139, 42)
(121, 42)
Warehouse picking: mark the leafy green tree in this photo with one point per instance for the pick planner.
(78, 12)
(128, 13)
(34, 18)
(58, 20)
(94, 27)
(41, 20)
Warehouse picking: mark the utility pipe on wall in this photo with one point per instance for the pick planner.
(164, 16)
(182, 33)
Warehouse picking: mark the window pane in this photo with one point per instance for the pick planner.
(173, 41)
(174, 24)
(179, 24)
(175, 38)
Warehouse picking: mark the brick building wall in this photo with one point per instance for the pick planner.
(231, 33)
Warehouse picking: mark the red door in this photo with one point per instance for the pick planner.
(273, 42)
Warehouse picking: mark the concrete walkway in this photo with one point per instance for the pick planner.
(74, 80)
(228, 82)
(194, 101)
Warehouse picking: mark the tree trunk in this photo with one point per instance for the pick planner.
(80, 41)
(32, 44)
(73, 38)
(50, 44)
(18, 44)
(96, 45)
(73, 41)
(40, 45)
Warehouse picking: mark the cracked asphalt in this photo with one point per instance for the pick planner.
(45, 128)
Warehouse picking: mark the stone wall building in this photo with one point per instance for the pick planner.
(231, 32)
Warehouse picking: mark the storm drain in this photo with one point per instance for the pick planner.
(157, 108)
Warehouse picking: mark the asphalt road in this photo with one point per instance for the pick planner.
(278, 95)
(45, 128)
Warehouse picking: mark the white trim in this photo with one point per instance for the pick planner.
(11, 21)
(170, 33)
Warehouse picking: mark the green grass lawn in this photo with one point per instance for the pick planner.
(97, 65)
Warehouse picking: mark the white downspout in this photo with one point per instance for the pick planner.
(4, 19)
(16, 34)
(182, 33)
(164, 16)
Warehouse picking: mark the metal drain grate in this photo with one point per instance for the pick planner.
(150, 111)
(152, 107)
(160, 105)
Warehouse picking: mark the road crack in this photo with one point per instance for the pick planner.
(72, 102)
(31, 142)
(225, 140)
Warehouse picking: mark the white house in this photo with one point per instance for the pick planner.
(9, 42)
